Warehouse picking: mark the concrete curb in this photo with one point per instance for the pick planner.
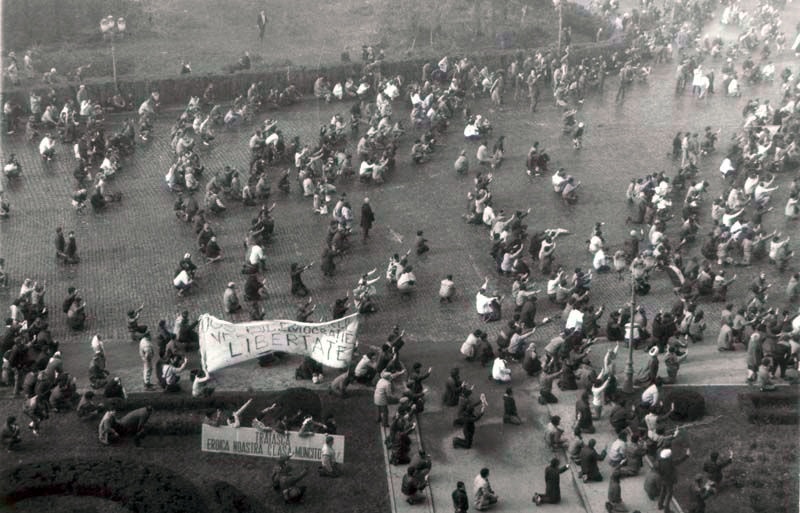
(575, 473)
(394, 478)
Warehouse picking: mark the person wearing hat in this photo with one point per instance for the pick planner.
(384, 395)
(667, 468)
(328, 466)
(230, 299)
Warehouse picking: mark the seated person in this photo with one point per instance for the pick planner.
(486, 304)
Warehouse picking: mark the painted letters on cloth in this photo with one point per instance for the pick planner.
(224, 343)
(268, 444)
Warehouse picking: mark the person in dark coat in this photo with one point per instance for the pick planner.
(299, 288)
(589, 459)
(667, 468)
(552, 484)
(327, 264)
(452, 388)
(133, 423)
(468, 420)
(460, 498)
(367, 218)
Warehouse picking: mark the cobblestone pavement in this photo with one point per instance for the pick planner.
(129, 252)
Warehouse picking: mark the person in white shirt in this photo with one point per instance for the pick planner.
(486, 304)
(182, 282)
(501, 373)
(652, 394)
(600, 262)
(470, 346)
(47, 147)
(256, 257)
(97, 344)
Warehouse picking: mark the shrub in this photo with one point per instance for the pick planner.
(776, 407)
(231, 499)
(122, 481)
(689, 405)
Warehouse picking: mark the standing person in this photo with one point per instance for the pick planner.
(384, 395)
(147, 352)
(71, 250)
(552, 483)
(367, 219)
(468, 420)
(614, 503)
(328, 466)
(713, 468)
(667, 468)
(261, 21)
(485, 497)
(460, 499)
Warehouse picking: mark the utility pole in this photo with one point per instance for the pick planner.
(557, 3)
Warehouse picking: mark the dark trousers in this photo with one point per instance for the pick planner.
(469, 433)
(665, 497)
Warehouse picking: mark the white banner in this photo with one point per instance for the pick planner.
(224, 343)
(268, 444)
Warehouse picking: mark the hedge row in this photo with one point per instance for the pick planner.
(776, 407)
(139, 488)
(176, 90)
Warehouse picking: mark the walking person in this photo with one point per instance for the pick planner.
(667, 468)
(367, 219)
(261, 21)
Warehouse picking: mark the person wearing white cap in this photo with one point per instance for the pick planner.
(667, 468)
(230, 299)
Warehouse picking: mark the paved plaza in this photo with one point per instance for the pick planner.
(129, 252)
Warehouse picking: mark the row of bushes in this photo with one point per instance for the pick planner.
(177, 90)
(139, 488)
(776, 407)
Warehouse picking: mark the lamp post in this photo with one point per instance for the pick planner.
(627, 387)
(110, 28)
(557, 4)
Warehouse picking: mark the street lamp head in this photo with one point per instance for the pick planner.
(121, 24)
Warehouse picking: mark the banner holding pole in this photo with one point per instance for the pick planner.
(224, 343)
(268, 444)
